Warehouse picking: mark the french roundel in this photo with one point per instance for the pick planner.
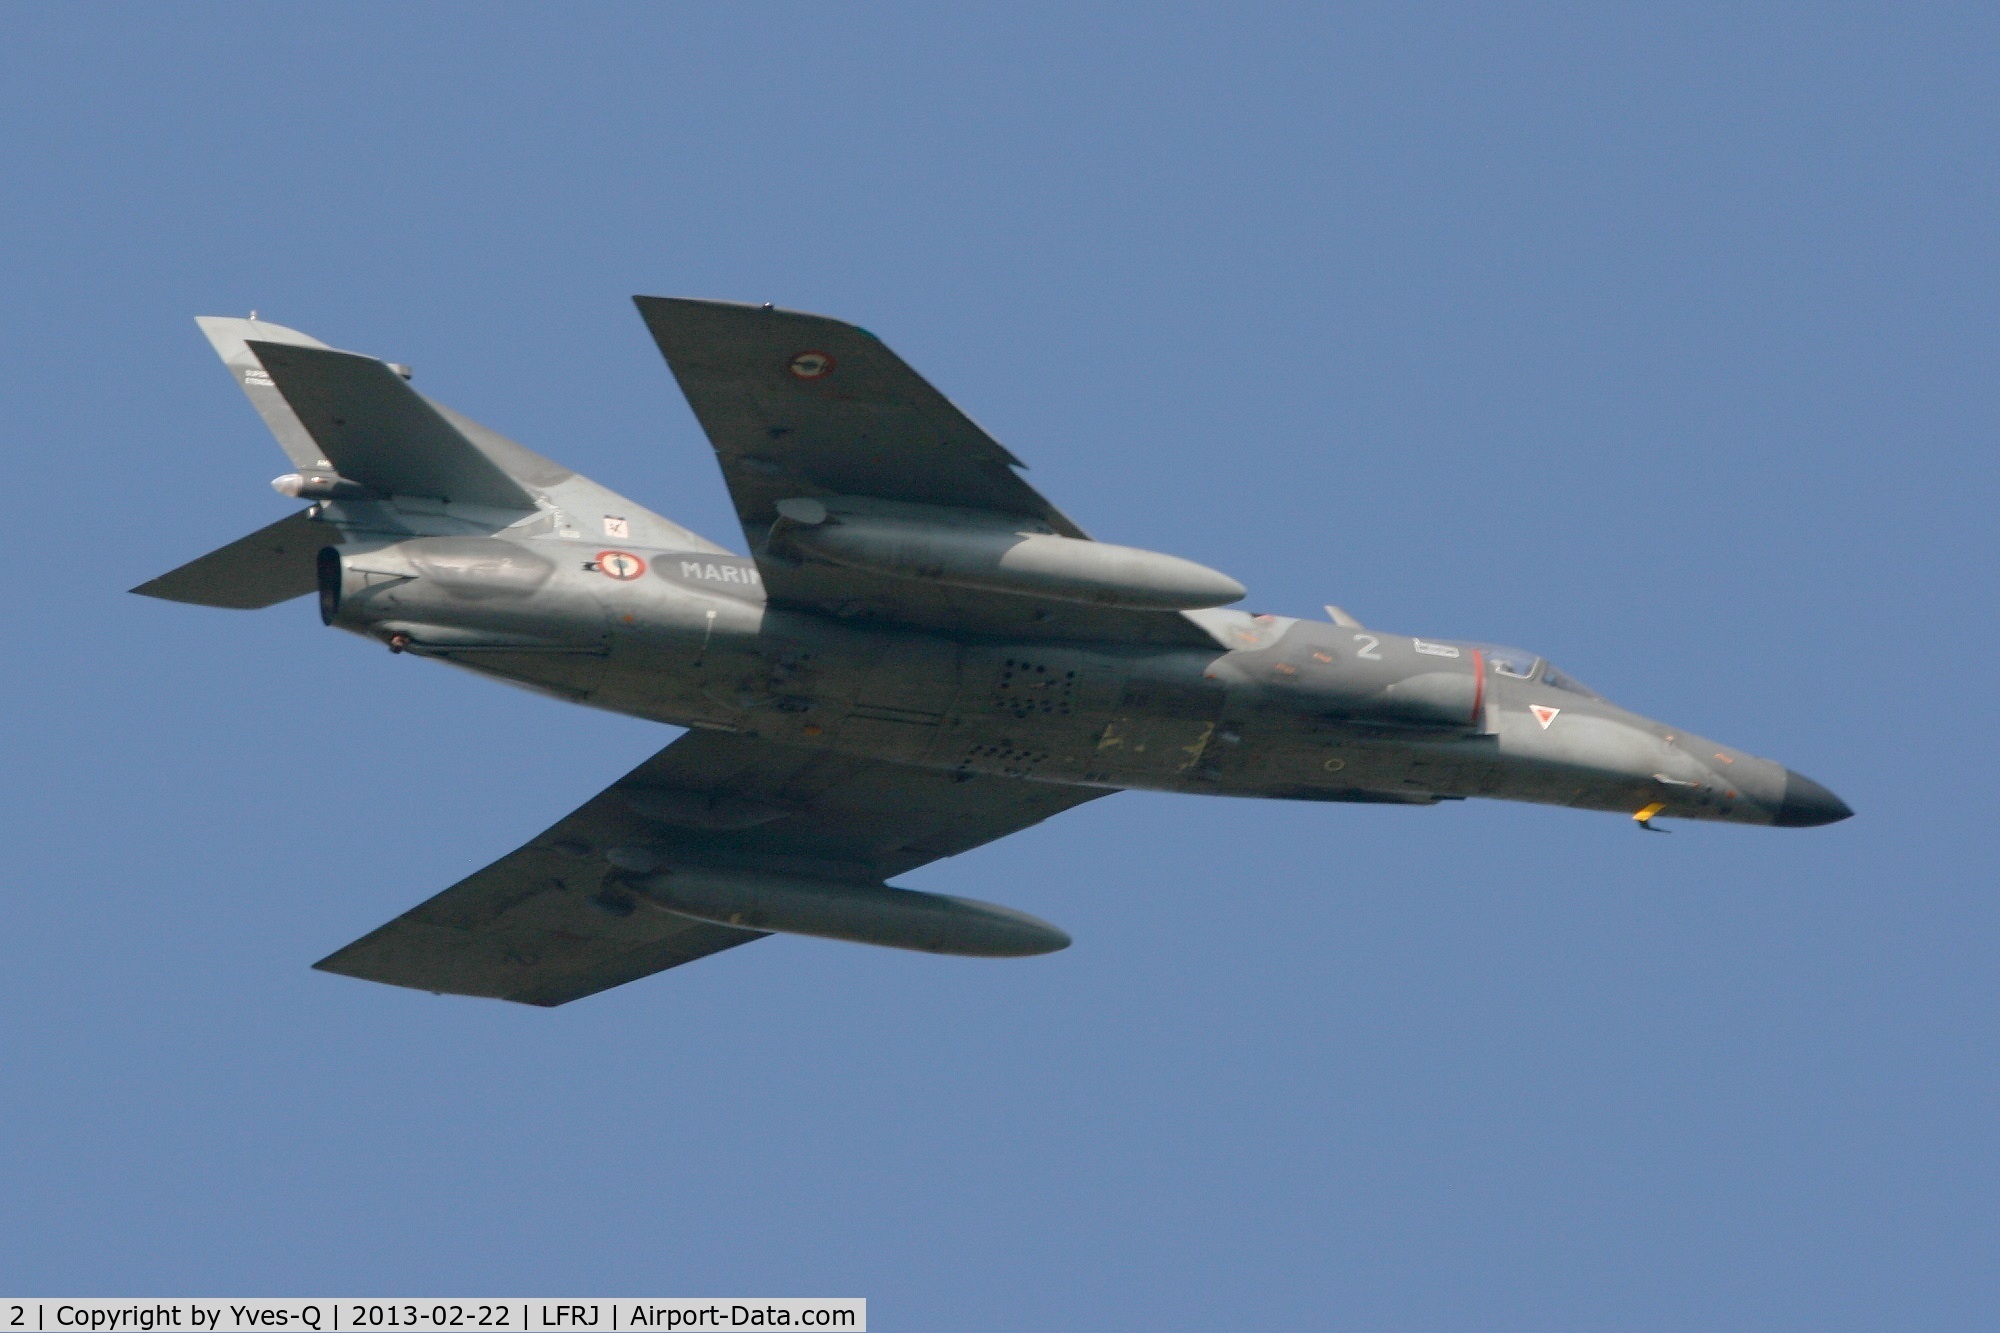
(620, 565)
(811, 365)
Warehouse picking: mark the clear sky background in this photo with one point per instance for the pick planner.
(1659, 339)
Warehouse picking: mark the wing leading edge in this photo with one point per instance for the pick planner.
(548, 923)
(802, 406)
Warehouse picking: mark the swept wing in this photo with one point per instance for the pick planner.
(549, 923)
(802, 406)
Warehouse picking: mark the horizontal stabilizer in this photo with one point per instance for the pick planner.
(378, 431)
(271, 565)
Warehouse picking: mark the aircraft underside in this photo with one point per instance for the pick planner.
(920, 654)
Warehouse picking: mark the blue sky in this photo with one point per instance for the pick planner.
(1658, 339)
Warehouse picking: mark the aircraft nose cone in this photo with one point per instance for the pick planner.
(1807, 804)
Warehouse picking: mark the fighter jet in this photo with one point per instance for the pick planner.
(920, 654)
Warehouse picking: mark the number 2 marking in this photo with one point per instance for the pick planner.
(1368, 651)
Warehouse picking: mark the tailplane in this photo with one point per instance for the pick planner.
(273, 564)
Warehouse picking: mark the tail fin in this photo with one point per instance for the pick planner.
(340, 412)
(335, 411)
(231, 339)
(376, 430)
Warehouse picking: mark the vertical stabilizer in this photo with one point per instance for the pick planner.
(231, 339)
(376, 430)
(339, 412)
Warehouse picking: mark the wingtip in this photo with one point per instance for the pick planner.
(693, 304)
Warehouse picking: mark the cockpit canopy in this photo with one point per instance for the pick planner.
(1516, 662)
(1521, 664)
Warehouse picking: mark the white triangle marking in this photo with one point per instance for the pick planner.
(1544, 714)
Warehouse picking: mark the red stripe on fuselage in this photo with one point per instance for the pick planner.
(1478, 687)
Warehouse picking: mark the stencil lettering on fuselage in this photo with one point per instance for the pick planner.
(709, 574)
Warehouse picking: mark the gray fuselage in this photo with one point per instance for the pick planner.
(1278, 707)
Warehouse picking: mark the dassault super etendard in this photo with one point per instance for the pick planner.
(920, 654)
